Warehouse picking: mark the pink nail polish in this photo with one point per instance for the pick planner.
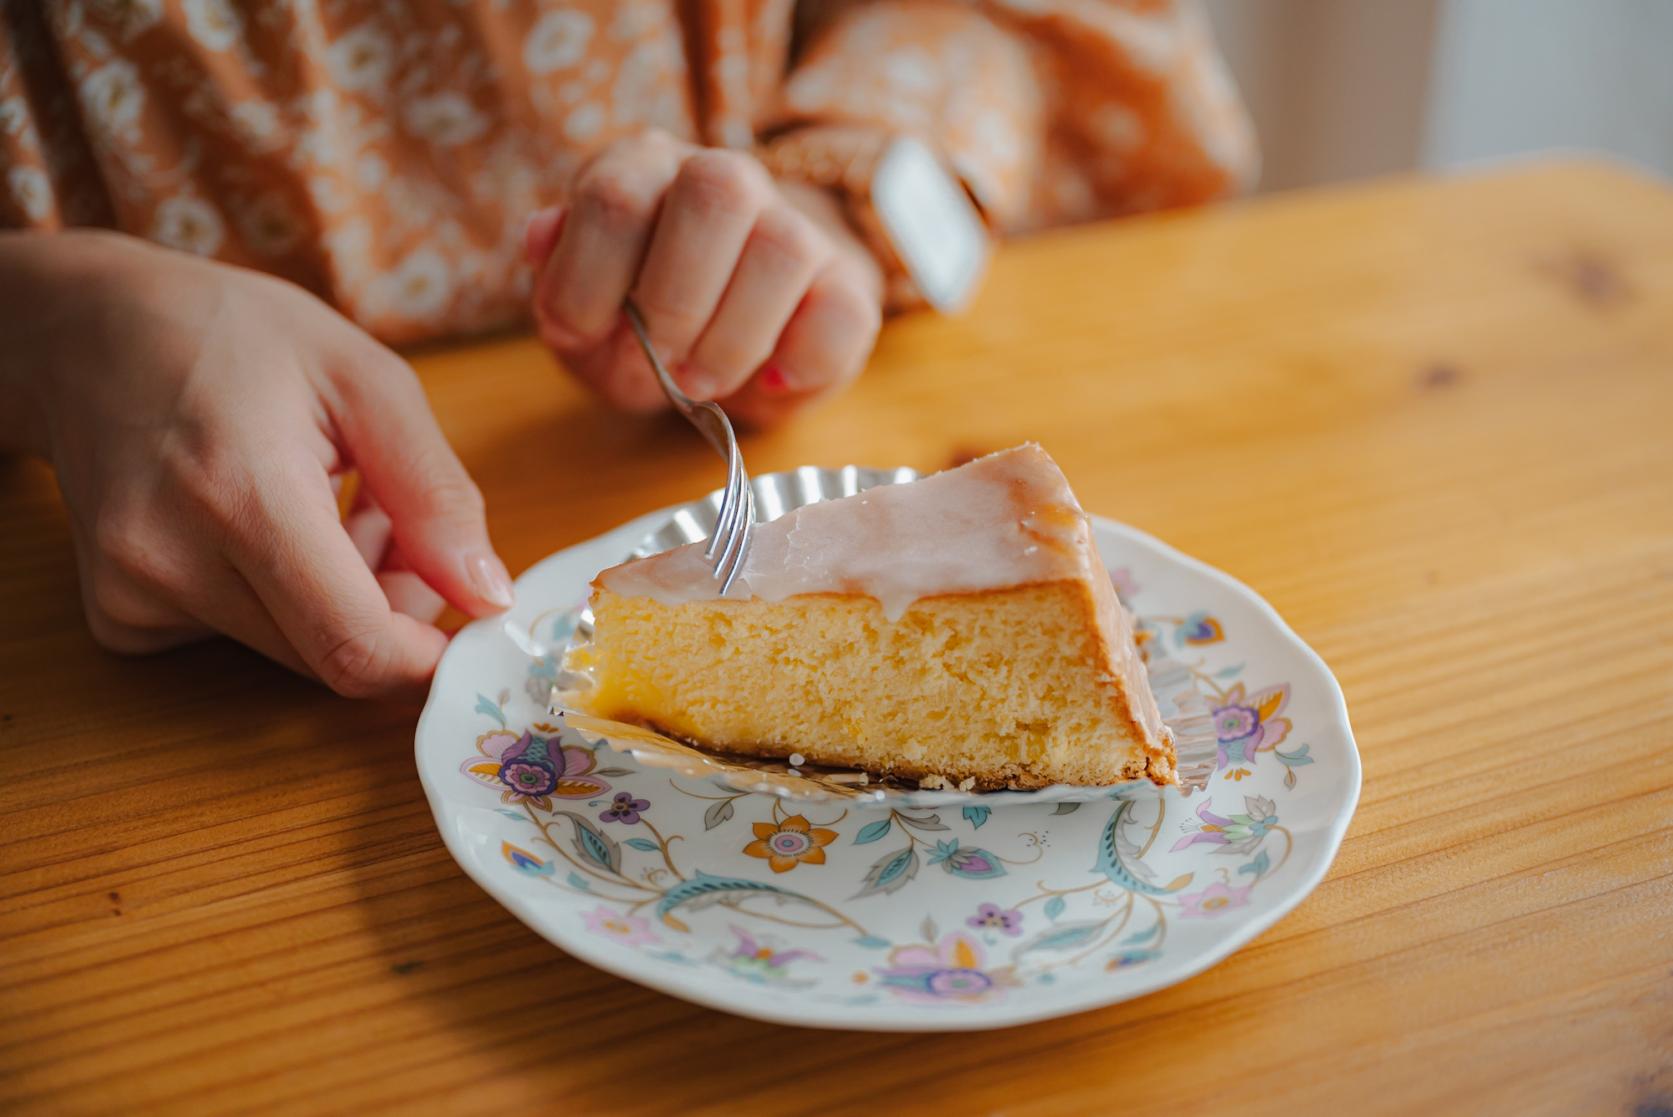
(772, 379)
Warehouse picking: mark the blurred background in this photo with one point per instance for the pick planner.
(1344, 89)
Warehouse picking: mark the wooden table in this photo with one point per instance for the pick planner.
(1430, 420)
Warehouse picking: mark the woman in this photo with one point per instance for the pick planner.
(247, 201)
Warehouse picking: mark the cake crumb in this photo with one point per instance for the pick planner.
(933, 783)
(967, 783)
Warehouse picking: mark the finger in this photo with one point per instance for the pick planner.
(830, 335)
(705, 219)
(314, 585)
(579, 294)
(436, 512)
(407, 593)
(227, 604)
(540, 235)
(779, 260)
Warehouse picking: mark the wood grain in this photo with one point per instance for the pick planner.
(1431, 421)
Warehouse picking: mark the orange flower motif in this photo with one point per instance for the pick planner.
(790, 843)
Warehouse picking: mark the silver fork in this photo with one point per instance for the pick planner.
(729, 542)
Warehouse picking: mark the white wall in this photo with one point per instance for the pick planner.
(1343, 89)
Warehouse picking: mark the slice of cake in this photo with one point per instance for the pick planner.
(959, 628)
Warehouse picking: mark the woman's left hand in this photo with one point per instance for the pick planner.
(755, 292)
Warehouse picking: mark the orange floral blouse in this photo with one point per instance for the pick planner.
(385, 154)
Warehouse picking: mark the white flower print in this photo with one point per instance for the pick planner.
(419, 288)
(557, 41)
(361, 59)
(214, 23)
(256, 123)
(31, 191)
(633, 19)
(269, 226)
(583, 124)
(640, 79)
(371, 171)
(130, 16)
(1117, 126)
(112, 98)
(325, 195)
(189, 224)
(12, 116)
(444, 118)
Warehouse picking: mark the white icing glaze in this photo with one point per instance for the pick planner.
(1004, 520)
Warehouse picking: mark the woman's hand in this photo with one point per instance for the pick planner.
(754, 292)
(198, 416)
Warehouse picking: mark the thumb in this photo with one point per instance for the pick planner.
(435, 510)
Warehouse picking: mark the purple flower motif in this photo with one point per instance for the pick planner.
(1233, 723)
(528, 778)
(1213, 901)
(624, 808)
(992, 917)
(951, 970)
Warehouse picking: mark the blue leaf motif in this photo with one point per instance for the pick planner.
(593, 844)
(1296, 759)
(643, 843)
(1110, 864)
(871, 831)
(890, 873)
(1064, 936)
(1143, 936)
(1228, 672)
(1055, 906)
(576, 880)
(703, 886)
(1257, 867)
(872, 942)
(943, 850)
(975, 816)
(486, 705)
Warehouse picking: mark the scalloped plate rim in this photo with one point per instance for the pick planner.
(672, 981)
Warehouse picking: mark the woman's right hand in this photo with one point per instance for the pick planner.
(199, 417)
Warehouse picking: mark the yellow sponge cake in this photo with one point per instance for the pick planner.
(960, 627)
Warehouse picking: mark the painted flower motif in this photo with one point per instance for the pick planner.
(1249, 724)
(1239, 833)
(949, 971)
(1198, 630)
(213, 23)
(624, 808)
(992, 917)
(557, 41)
(360, 59)
(524, 861)
(189, 224)
(1213, 901)
(628, 930)
(754, 961)
(789, 843)
(534, 770)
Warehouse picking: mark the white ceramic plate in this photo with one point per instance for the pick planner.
(911, 919)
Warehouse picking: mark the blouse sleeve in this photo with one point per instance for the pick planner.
(1050, 111)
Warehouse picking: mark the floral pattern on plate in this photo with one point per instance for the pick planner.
(969, 916)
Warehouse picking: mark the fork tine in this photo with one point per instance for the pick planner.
(740, 551)
(731, 503)
(737, 498)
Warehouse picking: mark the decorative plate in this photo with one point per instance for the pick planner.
(906, 918)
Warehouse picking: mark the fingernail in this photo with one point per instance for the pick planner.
(773, 379)
(697, 384)
(490, 580)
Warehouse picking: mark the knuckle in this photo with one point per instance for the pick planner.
(614, 198)
(455, 495)
(722, 183)
(666, 319)
(353, 664)
(844, 303)
(789, 240)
